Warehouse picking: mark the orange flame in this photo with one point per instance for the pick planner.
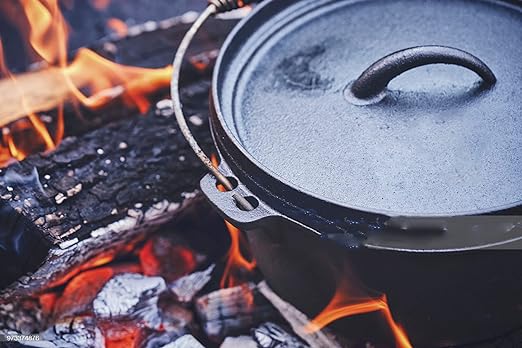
(118, 26)
(100, 4)
(236, 262)
(343, 304)
(108, 80)
(46, 32)
(38, 125)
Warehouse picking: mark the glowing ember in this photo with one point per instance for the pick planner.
(170, 259)
(48, 30)
(99, 260)
(47, 302)
(118, 26)
(38, 125)
(343, 305)
(121, 336)
(236, 262)
(45, 30)
(100, 4)
(81, 290)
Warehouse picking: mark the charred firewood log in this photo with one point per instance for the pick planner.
(185, 288)
(96, 193)
(271, 335)
(101, 190)
(297, 320)
(233, 311)
(148, 45)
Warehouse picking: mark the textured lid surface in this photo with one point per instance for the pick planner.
(437, 144)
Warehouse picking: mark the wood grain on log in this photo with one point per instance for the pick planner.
(100, 191)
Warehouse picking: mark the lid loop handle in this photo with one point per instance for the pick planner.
(214, 7)
(373, 81)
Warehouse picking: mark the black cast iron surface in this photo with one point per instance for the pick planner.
(374, 80)
(439, 143)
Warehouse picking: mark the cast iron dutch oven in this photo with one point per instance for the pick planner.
(381, 138)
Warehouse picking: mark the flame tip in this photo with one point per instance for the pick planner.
(46, 31)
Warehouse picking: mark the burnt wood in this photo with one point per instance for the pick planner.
(232, 311)
(99, 190)
(97, 193)
(151, 46)
(148, 45)
(298, 320)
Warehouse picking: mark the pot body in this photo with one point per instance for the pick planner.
(445, 286)
(444, 298)
(440, 299)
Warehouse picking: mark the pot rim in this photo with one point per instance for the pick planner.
(223, 129)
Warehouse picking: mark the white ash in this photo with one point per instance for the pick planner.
(130, 296)
(23, 316)
(79, 293)
(270, 335)
(77, 332)
(160, 339)
(60, 198)
(196, 120)
(150, 26)
(185, 288)
(165, 108)
(186, 341)
(240, 341)
(176, 318)
(110, 47)
(232, 311)
(68, 243)
(189, 195)
(135, 218)
(298, 320)
(71, 231)
(74, 190)
(75, 252)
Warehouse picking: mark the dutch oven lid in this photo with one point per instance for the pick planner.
(441, 139)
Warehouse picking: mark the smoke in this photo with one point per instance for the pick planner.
(13, 179)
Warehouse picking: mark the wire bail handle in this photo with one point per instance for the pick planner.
(214, 7)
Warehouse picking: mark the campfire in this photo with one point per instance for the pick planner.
(105, 238)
